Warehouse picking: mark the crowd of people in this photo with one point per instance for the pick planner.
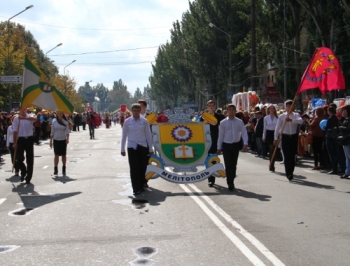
(267, 132)
(20, 131)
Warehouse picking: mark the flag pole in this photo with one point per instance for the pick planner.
(291, 109)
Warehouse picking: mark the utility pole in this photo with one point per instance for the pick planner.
(284, 54)
(253, 46)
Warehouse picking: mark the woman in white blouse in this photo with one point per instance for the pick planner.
(270, 122)
(9, 144)
(60, 136)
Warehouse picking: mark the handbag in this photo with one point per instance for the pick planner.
(309, 138)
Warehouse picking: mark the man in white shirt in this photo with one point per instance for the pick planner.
(23, 141)
(289, 137)
(143, 114)
(231, 130)
(140, 144)
(143, 105)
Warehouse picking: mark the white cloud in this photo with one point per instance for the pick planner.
(143, 23)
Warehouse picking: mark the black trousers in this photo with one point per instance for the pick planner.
(37, 134)
(290, 149)
(25, 145)
(138, 160)
(230, 152)
(317, 144)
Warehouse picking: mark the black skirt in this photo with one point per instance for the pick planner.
(270, 135)
(60, 147)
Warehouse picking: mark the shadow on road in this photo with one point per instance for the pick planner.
(63, 179)
(32, 199)
(298, 180)
(240, 193)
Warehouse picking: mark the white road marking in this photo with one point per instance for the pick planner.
(234, 239)
(46, 166)
(2, 201)
(268, 254)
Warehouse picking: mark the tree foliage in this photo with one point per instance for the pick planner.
(15, 43)
(287, 32)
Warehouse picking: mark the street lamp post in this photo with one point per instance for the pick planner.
(54, 48)
(8, 51)
(230, 54)
(65, 78)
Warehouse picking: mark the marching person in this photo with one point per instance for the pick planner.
(270, 122)
(144, 114)
(214, 133)
(23, 141)
(231, 130)
(138, 133)
(289, 137)
(9, 145)
(91, 123)
(60, 136)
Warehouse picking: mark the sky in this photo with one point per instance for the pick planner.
(109, 39)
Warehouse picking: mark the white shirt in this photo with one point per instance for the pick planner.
(231, 131)
(58, 131)
(291, 127)
(269, 124)
(138, 132)
(25, 127)
(9, 136)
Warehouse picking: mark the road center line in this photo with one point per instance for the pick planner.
(2, 201)
(255, 242)
(230, 235)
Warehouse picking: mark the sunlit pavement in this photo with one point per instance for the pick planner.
(90, 216)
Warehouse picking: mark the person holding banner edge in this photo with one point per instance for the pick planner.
(23, 141)
(140, 144)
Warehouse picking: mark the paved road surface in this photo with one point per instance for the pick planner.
(91, 218)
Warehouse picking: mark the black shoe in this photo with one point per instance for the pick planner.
(272, 169)
(63, 170)
(332, 173)
(28, 183)
(22, 178)
(231, 187)
(344, 176)
(55, 171)
(290, 177)
(146, 185)
(210, 184)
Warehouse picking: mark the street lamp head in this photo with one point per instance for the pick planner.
(29, 7)
(59, 44)
(211, 25)
(74, 61)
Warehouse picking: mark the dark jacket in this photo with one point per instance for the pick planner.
(259, 128)
(332, 127)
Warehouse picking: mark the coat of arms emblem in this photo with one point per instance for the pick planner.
(182, 151)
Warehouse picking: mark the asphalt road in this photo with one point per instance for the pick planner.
(90, 217)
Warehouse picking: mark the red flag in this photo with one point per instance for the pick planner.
(323, 72)
(123, 108)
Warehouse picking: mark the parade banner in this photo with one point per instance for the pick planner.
(185, 178)
(182, 148)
